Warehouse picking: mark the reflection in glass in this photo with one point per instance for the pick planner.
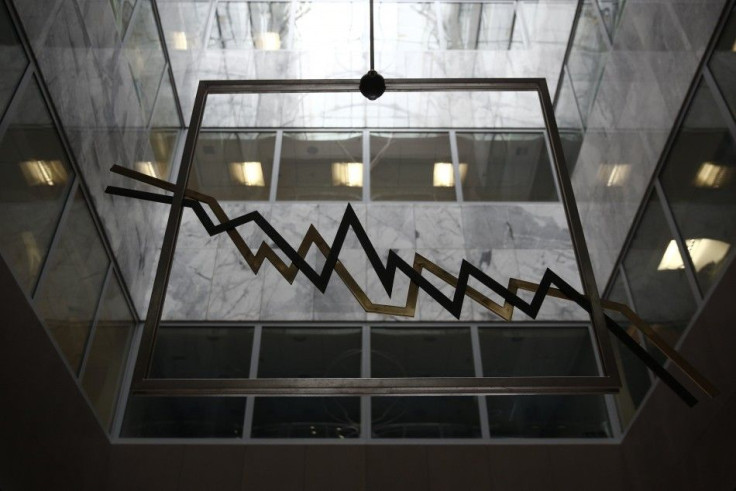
(723, 63)
(477, 25)
(34, 182)
(425, 417)
(421, 352)
(310, 352)
(417, 23)
(163, 144)
(306, 417)
(68, 295)
(165, 114)
(541, 352)
(662, 297)
(224, 164)
(699, 180)
(123, 10)
(12, 59)
(202, 352)
(404, 165)
(635, 380)
(183, 417)
(587, 59)
(321, 166)
(548, 416)
(248, 25)
(104, 368)
(506, 167)
(145, 56)
(611, 13)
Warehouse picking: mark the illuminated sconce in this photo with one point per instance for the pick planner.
(179, 39)
(614, 175)
(712, 175)
(248, 173)
(268, 41)
(147, 168)
(43, 172)
(347, 174)
(702, 252)
(444, 174)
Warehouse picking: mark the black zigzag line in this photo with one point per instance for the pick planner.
(387, 273)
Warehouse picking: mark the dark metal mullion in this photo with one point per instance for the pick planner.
(513, 26)
(250, 401)
(582, 120)
(632, 304)
(680, 241)
(568, 50)
(65, 210)
(485, 431)
(720, 101)
(169, 70)
(366, 417)
(95, 318)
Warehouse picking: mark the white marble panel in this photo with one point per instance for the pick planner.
(282, 301)
(427, 308)
(438, 227)
(499, 264)
(376, 292)
(329, 217)
(190, 284)
(391, 226)
(337, 302)
(235, 290)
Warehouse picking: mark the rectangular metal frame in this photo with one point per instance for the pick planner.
(607, 382)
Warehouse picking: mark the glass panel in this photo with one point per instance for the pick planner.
(12, 59)
(184, 24)
(321, 166)
(406, 26)
(248, 25)
(145, 57)
(566, 109)
(411, 167)
(425, 417)
(202, 352)
(505, 167)
(537, 352)
(699, 180)
(543, 416)
(477, 25)
(635, 378)
(611, 13)
(72, 284)
(234, 165)
(165, 115)
(587, 58)
(123, 10)
(723, 63)
(184, 417)
(105, 365)
(163, 143)
(497, 26)
(310, 353)
(306, 417)
(421, 352)
(653, 266)
(34, 182)
(572, 141)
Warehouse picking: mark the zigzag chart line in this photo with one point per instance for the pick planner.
(387, 274)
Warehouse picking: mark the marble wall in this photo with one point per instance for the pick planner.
(80, 51)
(656, 50)
(211, 281)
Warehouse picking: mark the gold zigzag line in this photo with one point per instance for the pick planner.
(505, 311)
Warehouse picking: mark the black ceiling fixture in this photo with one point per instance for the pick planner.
(372, 84)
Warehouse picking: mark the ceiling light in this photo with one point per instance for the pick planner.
(702, 252)
(614, 175)
(147, 168)
(43, 172)
(248, 173)
(347, 174)
(268, 41)
(444, 174)
(179, 39)
(712, 175)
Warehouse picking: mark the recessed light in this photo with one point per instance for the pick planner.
(712, 175)
(347, 174)
(247, 173)
(43, 172)
(702, 253)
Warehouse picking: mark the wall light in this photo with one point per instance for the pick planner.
(147, 168)
(712, 175)
(614, 175)
(179, 39)
(347, 174)
(268, 41)
(444, 174)
(247, 173)
(43, 172)
(702, 252)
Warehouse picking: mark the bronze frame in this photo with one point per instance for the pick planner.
(608, 382)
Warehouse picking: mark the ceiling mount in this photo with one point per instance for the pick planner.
(372, 84)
